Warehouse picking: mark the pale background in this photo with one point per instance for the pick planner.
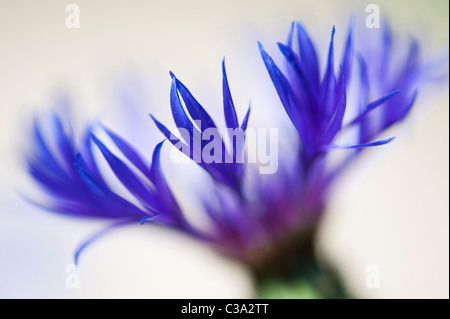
(391, 210)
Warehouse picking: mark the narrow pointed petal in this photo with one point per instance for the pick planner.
(88, 156)
(290, 36)
(172, 138)
(155, 170)
(372, 106)
(146, 219)
(328, 85)
(284, 91)
(50, 182)
(231, 118)
(335, 123)
(194, 108)
(64, 141)
(364, 129)
(127, 150)
(295, 64)
(179, 115)
(302, 86)
(44, 154)
(171, 210)
(347, 58)
(126, 176)
(241, 142)
(308, 55)
(407, 103)
(364, 145)
(386, 50)
(245, 121)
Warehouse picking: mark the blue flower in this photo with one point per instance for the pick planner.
(253, 219)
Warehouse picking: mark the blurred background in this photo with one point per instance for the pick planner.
(391, 210)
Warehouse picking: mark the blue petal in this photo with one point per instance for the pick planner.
(88, 157)
(245, 121)
(328, 85)
(131, 154)
(306, 99)
(296, 66)
(147, 219)
(172, 138)
(194, 108)
(386, 48)
(372, 106)
(335, 123)
(179, 115)
(290, 37)
(228, 105)
(124, 173)
(44, 155)
(308, 56)
(405, 105)
(347, 57)
(169, 204)
(364, 96)
(364, 145)
(285, 93)
(64, 141)
(49, 181)
(155, 170)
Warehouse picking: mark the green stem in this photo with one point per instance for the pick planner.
(292, 270)
(308, 281)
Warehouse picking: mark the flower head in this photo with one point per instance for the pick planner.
(261, 220)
